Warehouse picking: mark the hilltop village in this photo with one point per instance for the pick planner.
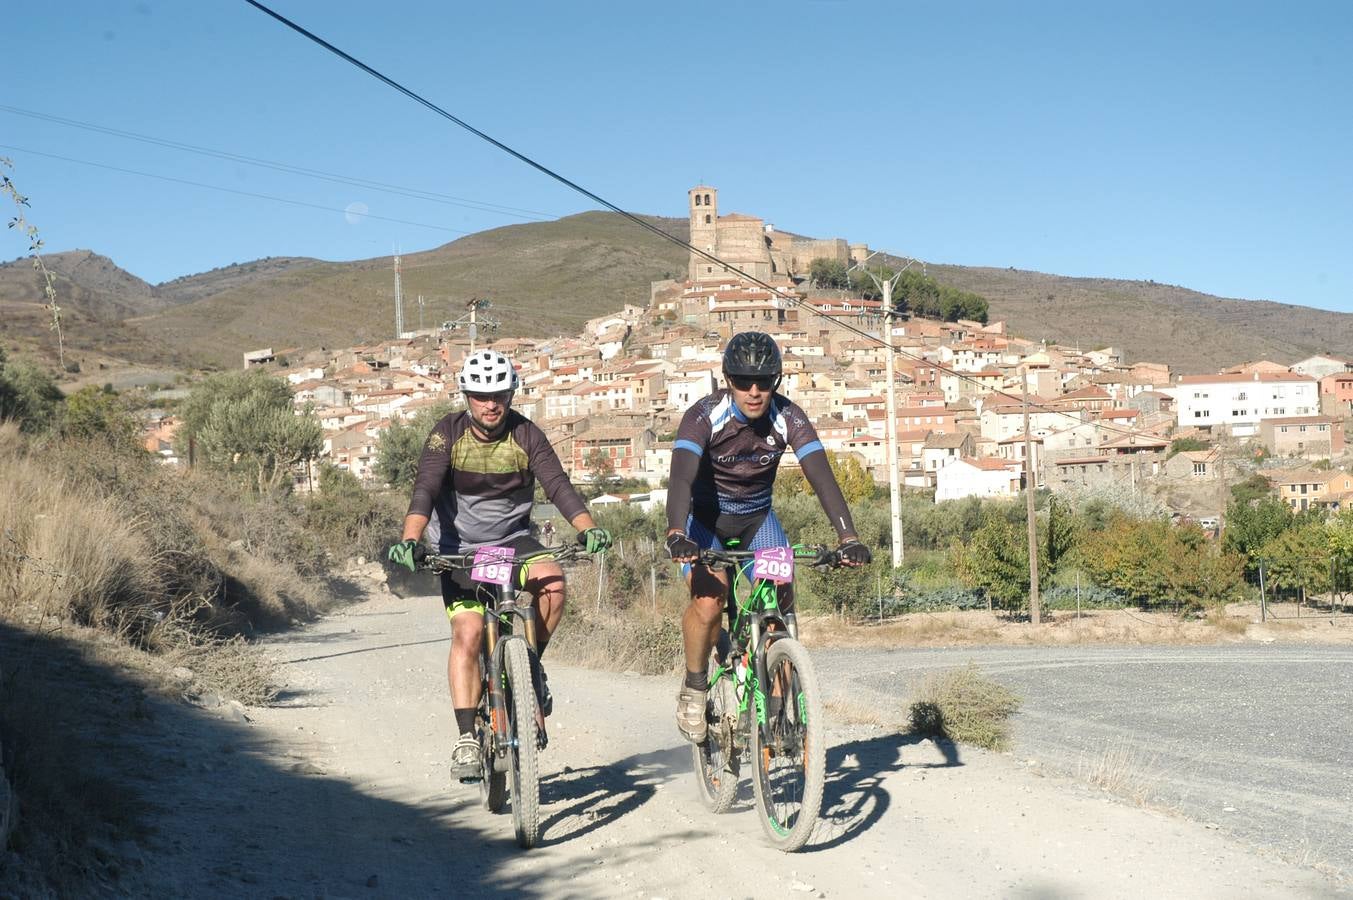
(610, 397)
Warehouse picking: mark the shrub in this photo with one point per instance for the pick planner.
(963, 705)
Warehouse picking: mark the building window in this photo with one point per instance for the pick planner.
(707, 218)
(697, 199)
(1199, 468)
(707, 200)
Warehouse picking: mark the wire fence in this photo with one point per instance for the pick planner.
(1306, 586)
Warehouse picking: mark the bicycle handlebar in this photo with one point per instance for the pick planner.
(449, 562)
(818, 555)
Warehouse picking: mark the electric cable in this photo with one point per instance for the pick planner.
(413, 193)
(793, 300)
(226, 190)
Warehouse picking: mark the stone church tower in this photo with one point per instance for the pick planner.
(704, 204)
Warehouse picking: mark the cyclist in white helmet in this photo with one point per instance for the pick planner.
(477, 475)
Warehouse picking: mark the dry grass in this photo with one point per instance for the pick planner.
(963, 705)
(1109, 626)
(1227, 624)
(637, 639)
(1123, 771)
(854, 713)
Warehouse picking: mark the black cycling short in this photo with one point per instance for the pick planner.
(461, 594)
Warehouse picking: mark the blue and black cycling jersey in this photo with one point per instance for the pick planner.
(724, 465)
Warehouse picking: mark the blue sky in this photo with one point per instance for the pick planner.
(1200, 144)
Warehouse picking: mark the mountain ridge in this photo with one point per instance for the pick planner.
(549, 277)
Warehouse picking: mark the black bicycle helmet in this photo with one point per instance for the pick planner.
(752, 354)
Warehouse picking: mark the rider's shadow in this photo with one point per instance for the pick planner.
(596, 796)
(854, 797)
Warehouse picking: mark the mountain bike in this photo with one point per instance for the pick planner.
(511, 728)
(764, 704)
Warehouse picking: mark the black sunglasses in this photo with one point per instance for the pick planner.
(765, 382)
(500, 396)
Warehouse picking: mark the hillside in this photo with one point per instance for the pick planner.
(1193, 332)
(95, 297)
(549, 277)
(542, 278)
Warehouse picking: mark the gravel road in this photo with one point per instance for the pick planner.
(341, 789)
(1255, 740)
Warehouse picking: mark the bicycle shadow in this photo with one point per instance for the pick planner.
(596, 796)
(854, 798)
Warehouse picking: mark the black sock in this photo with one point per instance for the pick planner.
(465, 720)
(698, 681)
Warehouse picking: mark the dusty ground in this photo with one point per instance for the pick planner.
(341, 790)
(1238, 623)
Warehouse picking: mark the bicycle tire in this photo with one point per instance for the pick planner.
(493, 776)
(521, 729)
(716, 757)
(493, 780)
(790, 770)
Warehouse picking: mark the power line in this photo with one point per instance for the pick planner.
(226, 190)
(596, 198)
(414, 193)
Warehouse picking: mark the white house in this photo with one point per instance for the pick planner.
(968, 477)
(1239, 401)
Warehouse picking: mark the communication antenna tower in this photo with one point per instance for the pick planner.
(399, 302)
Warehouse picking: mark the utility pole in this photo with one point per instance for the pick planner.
(1030, 482)
(885, 286)
(420, 312)
(474, 327)
(894, 486)
(399, 303)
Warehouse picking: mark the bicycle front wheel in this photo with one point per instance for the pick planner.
(521, 730)
(788, 753)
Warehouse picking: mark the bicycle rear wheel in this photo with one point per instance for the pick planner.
(789, 756)
(716, 758)
(521, 731)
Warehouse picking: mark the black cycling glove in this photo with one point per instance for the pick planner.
(853, 553)
(681, 547)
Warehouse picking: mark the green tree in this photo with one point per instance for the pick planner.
(99, 415)
(28, 395)
(856, 484)
(1253, 488)
(828, 273)
(1249, 526)
(1061, 536)
(401, 444)
(245, 423)
(996, 559)
(223, 388)
(1299, 557)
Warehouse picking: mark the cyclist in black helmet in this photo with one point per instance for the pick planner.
(724, 461)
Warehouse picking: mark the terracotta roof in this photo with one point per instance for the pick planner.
(1233, 378)
(1301, 420)
(990, 465)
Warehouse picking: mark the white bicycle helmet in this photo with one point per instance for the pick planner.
(487, 372)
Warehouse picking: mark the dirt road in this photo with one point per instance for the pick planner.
(341, 790)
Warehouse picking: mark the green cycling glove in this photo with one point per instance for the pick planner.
(596, 540)
(401, 554)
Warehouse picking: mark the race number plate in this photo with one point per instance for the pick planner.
(493, 565)
(774, 564)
